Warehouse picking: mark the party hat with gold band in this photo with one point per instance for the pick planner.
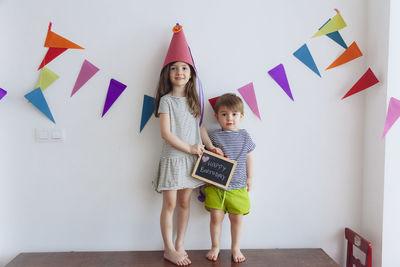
(178, 48)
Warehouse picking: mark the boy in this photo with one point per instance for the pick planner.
(237, 145)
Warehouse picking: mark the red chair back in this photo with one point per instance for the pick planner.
(360, 242)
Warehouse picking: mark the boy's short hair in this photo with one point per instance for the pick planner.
(231, 101)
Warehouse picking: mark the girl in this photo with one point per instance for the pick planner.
(178, 108)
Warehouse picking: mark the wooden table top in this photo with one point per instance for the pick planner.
(308, 257)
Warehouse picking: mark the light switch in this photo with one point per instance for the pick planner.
(42, 135)
(56, 134)
(49, 135)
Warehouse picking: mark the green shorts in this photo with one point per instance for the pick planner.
(234, 201)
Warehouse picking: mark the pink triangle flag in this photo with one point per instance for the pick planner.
(392, 115)
(249, 96)
(87, 71)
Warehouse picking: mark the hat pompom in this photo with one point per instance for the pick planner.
(177, 28)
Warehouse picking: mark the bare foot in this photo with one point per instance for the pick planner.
(212, 255)
(237, 255)
(176, 258)
(181, 251)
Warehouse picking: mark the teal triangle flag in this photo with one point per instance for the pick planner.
(36, 97)
(147, 110)
(335, 36)
(304, 55)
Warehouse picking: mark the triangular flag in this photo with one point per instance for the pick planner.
(87, 71)
(36, 97)
(213, 101)
(304, 55)
(51, 54)
(115, 89)
(335, 24)
(352, 52)
(279, 75)
(46, 78)
(367, 80)
(392, 115)
(249, 96)
(2, 93)
(335, 36)
(147, 110)
(55, 40)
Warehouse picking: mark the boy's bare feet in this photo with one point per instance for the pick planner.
(176, 258)
(212, 255)
(237, 255)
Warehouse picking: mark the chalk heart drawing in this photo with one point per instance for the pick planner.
(205, 158)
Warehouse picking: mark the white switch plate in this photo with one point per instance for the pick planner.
(50, 135)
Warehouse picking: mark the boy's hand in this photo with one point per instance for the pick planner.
(218, 151)
(197, 149)
(248, 184)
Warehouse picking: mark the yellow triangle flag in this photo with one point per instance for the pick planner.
(335, 24)
(46, 78)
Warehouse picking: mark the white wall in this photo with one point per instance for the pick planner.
(93, 192)
(375, 112)
(391, 216)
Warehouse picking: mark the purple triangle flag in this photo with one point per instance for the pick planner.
(115, 89)
(392, 115)
(2, 93)
(279, 75)
(249, 96)
(87, 71)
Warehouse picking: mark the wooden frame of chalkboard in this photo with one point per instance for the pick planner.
(214, 169)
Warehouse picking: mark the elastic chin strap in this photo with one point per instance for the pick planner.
(201, 93)
(201, 99)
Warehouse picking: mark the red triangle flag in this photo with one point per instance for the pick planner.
(367, 80)
(51, 54)
(212, 101)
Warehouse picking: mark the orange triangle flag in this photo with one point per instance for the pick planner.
(55, 40)
(352, 52)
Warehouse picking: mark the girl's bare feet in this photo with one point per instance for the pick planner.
(181, 251)
(212, 255)
(176, 258)
(237, 255)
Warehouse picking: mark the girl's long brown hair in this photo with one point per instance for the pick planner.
(165, 86)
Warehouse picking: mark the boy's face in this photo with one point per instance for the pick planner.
(228, 119)
(179, 74)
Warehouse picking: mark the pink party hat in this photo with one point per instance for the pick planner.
(178, 48)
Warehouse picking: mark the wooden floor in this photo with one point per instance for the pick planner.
(255, 257)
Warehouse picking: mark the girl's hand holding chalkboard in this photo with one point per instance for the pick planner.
(197, 149)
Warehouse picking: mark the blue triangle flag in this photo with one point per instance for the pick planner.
(36, 97)
(304, 55)
(147, 110)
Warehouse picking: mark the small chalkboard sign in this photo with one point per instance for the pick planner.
(214, 169)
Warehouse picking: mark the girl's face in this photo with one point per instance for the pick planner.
(179, 74)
